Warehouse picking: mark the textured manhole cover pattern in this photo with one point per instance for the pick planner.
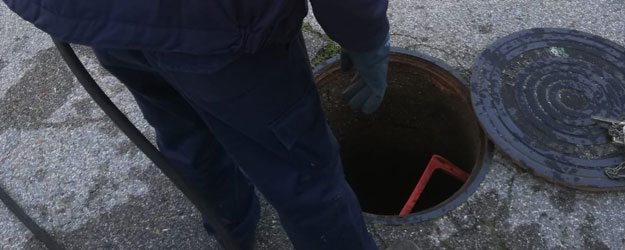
(535, 91)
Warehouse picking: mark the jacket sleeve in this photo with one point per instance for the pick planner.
(357, 25)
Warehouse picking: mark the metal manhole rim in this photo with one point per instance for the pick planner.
(484, 158)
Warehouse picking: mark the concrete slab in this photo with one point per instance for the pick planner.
(71, 169)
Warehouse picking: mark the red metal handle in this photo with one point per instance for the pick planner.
(436, 162)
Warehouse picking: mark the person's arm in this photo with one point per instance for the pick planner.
(361, 28)
(357, 25)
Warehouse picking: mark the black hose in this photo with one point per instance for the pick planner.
(200, 201)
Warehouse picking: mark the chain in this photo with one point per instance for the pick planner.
(617, 132)
(617, 172)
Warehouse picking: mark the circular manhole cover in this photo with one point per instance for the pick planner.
(535, 92)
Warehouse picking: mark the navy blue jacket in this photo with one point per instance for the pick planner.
(203, 27)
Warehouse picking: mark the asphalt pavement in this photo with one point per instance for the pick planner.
(64, 161)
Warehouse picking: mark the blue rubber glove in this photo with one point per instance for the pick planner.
(369, 83)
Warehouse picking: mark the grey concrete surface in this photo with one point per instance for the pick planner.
(314, 43)
(81, 179)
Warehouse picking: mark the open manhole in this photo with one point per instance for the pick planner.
(426, 112)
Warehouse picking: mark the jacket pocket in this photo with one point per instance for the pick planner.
(299, 119)
(304, 133)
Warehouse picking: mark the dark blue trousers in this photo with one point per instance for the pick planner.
(255, 123)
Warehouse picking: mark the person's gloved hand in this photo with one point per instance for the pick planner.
(369, 83)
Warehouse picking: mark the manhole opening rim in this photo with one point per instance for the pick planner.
(482, 161)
